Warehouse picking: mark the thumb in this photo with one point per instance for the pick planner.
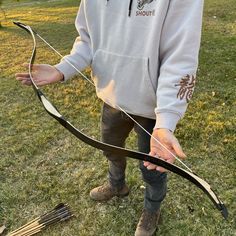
(178, 150)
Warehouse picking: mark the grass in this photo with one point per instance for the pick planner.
(41, 164)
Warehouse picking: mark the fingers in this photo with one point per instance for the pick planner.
(24, 78)
(24, 81)
(26, 75)
(161, 169)
(170, 142)
(149, 165)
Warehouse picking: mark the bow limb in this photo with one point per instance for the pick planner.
(53, 111)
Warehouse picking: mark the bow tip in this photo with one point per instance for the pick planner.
(16, 22)
(224, 211)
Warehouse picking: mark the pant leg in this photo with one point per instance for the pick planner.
(116, 127)
(156, 182)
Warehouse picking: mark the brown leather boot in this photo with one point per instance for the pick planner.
(148, 223)
(107, 192)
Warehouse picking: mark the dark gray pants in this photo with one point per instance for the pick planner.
(116, 127)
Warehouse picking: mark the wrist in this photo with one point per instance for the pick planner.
(60, 75)
(162, 130)
(166, 120)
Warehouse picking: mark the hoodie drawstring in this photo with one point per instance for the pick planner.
(130, 7)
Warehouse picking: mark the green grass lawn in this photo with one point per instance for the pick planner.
(42, 164)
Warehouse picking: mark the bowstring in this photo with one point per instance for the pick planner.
(120, 108)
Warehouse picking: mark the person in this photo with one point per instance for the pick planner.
(144, 58)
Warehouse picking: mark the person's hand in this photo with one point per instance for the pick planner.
(168, 139)
(43, 74)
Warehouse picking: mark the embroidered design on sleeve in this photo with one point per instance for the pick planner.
(186, 84)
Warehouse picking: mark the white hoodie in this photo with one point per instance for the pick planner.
(143, 54)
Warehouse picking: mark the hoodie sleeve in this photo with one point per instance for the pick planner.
(179, 49)
(80, 56)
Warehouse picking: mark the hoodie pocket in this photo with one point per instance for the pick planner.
(124, 81)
